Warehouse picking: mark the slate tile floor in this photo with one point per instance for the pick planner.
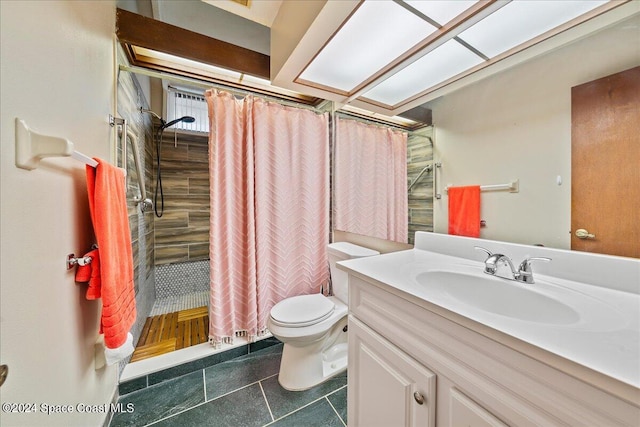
(240, 392)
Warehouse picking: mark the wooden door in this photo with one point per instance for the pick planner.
(605, 164)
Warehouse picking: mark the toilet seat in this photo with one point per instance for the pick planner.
(302, 310)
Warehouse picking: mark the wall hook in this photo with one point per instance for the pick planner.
(72, 260)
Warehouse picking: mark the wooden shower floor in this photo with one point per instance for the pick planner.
(172, 331)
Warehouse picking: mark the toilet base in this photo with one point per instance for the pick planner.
(303, 367)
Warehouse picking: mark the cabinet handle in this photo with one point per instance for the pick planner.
(418, 397)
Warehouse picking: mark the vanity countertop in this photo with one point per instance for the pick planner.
(600, 328)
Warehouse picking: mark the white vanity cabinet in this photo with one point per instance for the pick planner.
(466, 373)
(387, 387)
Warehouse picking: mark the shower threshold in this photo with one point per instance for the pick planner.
(189, 354)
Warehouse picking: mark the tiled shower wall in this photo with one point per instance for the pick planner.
(130, 99)
(182, 233)
(419, 155)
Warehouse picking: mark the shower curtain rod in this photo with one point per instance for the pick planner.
(203, 84)
(348, 115)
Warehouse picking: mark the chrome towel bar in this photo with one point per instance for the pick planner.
(512, 187)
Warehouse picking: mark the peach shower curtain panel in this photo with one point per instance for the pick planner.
(269, 167)
(371, 180)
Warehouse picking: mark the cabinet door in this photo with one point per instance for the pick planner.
(467, 413)
(386, 386)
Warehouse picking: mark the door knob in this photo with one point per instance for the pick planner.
(584, 234)
(418, 397)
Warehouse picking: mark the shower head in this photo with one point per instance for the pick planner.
(163, 124)
(144, 110)
(186, 119)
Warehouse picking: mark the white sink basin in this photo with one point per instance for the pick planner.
(499, 296)
(583, 307)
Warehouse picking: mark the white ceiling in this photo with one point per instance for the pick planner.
(297, 43)
(335, 50)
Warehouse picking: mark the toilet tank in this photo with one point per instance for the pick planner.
(340, 251)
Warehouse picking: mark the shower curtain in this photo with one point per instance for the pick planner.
(371, 180)
(269, 167)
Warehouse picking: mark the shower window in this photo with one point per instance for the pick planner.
(182, 103)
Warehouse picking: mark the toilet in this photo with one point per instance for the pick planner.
(313, 327)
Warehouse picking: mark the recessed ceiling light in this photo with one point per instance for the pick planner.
(229, 74)
(174, 64)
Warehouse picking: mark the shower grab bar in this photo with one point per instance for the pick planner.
(117, 121)
(513, 187)
(436, 194)
(427, 168)
(141, 199)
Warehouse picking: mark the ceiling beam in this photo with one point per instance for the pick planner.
(138, 30)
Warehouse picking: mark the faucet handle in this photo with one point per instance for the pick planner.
(525, 274)
(527, 261)
(483, 249)
(490, 266)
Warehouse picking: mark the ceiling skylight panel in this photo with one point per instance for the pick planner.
(376, 34)
(441, 11)
(435, 67)
(520, 21)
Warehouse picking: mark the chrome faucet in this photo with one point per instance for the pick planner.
(524, 273)
(493, 261)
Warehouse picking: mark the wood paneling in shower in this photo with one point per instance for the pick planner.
(182, 233)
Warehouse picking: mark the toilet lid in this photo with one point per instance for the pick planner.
(302, 310)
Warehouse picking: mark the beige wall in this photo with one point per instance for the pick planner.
(57, 73)
(517, 125)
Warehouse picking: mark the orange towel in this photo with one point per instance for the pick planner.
(108, 207)
(91, 273)
(464, 211)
